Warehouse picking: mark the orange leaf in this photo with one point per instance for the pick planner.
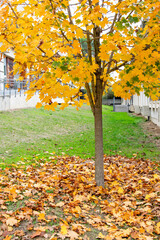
(7, 237)
(36, 234)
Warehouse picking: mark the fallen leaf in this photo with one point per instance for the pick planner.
(135, 235)
(53, 237)
(11, 221)
(19, 233)
(60, 204)
(36, 234)
(72, 235)
(7, 237)
(100, 235)
(41, 228)
(10, 229)
(30, 227)
(41, 216)
(157, 228)
(120, 190)
(63, 229)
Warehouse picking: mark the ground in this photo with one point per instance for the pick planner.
(153, 132)
(55, 197)
(58, 199)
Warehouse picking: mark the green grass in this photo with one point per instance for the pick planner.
(30, 132)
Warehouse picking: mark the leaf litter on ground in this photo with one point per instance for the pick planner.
(59, 199)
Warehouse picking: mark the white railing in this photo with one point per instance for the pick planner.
(10, 87)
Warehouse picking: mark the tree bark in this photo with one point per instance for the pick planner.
(99, 166)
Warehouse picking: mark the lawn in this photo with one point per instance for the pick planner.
(58, 199)
(30, 133)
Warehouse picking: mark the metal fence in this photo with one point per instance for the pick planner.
(13, 87)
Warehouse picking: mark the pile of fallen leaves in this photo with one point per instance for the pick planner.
(60, 200)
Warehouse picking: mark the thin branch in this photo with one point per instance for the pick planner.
(129, 14)
(109, 65)
(87, 32)
(110, 60)
(114, 20)
(51, 5)
(12, 9)
(90, 97)
(70, 15)
(118, 67)
(77, 94)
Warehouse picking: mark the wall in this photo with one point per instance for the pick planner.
(144, 106)
(155, 112)
(12, 102)
(1, 67)
(110, 101)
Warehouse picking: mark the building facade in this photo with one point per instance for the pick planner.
(12, 92)
(144, 106)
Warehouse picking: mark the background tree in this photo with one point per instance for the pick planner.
(67, 45)
(109, 94)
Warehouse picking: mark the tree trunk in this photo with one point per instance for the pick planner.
(99, 166)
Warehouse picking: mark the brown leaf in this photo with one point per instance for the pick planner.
(30, 227)
(36, 234)
(135, 235)
(157, 228)
(11, 221)
(41, 228)
(19, 233)
(72, 235)
(60, 204)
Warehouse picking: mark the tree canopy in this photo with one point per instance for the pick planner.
(64, 43)
(67, 45)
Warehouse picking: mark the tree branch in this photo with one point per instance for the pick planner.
(90, 97)
(109, 65)
(12, 9)
(70, 15)
(118, 67)
(114, 20)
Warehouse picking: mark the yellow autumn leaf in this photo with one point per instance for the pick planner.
(156, 176)
(41, 216)
(63, 229)
(157, 228)
(100, 235)
(120, 190)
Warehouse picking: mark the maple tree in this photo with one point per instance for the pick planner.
(67, 45)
